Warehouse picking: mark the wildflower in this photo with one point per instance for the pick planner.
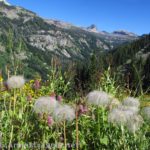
(98, 98)
(15, 82)
(135, 123)
(50, 120)
(45, 105)
(117, 116)
(82, 109)
(130, 101)
(126, 115)
(146, 113)
(129, 112)
(64, 112)
(59, 98)
(36, 84)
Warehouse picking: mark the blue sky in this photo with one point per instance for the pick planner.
(108, 15)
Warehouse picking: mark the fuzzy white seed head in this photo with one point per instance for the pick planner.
(122, 114)
(15, 82)
(45, 105)
(129, 112)
(146, 112)
(130, 101)
(135, 123)
(64, 112)
(98, 98)
(117, 117)
(134, 110)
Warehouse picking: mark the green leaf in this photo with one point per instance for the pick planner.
(104, 140)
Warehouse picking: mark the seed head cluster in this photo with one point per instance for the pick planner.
(127, 114)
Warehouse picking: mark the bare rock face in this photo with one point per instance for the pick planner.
(50, 42)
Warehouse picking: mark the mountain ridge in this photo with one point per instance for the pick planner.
(41, 39)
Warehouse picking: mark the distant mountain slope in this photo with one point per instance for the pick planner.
(133, 62)
(31, 41)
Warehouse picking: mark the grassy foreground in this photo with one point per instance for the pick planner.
(38, 115)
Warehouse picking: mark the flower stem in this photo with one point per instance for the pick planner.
(65, 140)
(77, 131)
(14, 100)
(11, 136)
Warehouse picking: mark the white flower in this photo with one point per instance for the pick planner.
(117, 116)
(130, 101)
(45, 105)
(146, 113)
(98, 98)
(64, 112)
(135, 123)
(15, 82)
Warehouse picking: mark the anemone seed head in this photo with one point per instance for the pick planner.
(45, 105)
(117, 116)
(100, 98)
(146, 112)
(135, 123)
(15, 82)
(64, 112)
(131, 101)
(133, 109)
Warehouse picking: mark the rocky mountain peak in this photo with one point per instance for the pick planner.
(92, 28)
(5, 2)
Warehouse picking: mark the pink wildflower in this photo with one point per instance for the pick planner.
(59, 98)
(82, 109)
(36, 84)
(50, 121)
